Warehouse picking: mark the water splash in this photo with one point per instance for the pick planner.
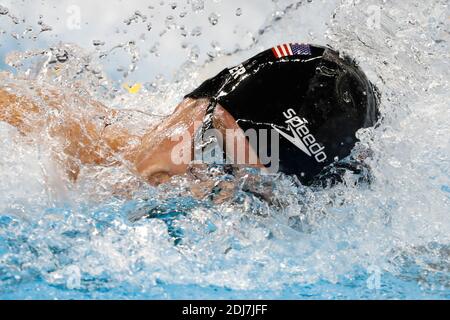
(306, 244)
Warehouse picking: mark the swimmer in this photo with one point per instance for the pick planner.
(294, 109)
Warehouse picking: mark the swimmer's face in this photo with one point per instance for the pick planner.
(155, 161)
(157, 165)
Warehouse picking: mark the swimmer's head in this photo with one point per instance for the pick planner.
(316, 105)
(338, 101)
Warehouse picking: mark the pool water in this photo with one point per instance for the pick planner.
(386, 240)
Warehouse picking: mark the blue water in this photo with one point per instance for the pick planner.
(28, 257)
(318, 291)
(386, 240)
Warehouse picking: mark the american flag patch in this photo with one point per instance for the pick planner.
(291, 49)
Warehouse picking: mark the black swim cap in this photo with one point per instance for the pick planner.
(315, 99)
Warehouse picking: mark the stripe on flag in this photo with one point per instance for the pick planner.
(289, 49)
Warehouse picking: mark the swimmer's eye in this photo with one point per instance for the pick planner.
(159, 177)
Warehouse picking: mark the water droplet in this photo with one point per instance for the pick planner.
(98, 43)
(215, 45)
(213, 18)
(62, 56)
(197, 5)
(170, 22)
(3, 10)
(14, 19)
(135, 18)
(44, 27)
(197, 31)
(155, 49)
(194, 53)
(212, 54)
(183, 31)
(140, 15)
(346, 97)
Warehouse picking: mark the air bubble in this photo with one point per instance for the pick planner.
(238, 12)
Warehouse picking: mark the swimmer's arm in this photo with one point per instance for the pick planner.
(17, 111)
(84, 141)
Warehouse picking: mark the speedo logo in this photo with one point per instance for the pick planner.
(301, 137)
